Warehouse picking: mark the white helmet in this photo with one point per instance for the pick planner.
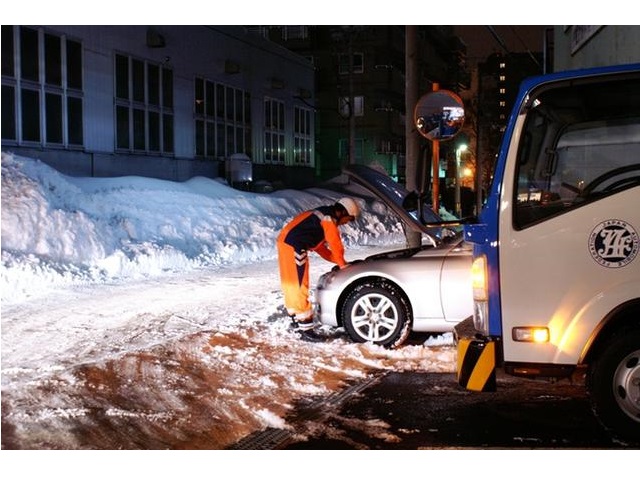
(350, 206)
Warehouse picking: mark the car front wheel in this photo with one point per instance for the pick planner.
(377, 313)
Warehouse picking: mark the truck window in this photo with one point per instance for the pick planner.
(580, 143)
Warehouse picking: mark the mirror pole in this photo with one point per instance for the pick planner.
(435, 165)
(478, 185)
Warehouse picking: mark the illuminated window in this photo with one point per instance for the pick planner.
(302, 136)
(274, 147)
(358, 106)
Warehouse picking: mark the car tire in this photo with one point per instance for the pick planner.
(613, 386)
(377, 313)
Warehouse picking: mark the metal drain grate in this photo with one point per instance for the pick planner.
(272, 438)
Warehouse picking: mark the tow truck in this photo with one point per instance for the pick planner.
(556, 263)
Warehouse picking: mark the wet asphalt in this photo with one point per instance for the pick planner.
(413, 410)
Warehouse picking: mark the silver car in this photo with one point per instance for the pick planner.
(385, 297)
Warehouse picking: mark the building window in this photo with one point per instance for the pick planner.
(358, 106)
(143, 106)
(274, 147)
(344, 67)
(503, 65)
(502, 78)
(293, 32)
(302, 153)
(42, 96)
(343, 150)
(503, 90)
(222, 120)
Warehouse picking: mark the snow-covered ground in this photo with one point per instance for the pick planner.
(141, 314)
(127, 301)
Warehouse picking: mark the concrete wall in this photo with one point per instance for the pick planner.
(582, 46)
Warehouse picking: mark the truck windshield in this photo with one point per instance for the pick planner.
(580, 142)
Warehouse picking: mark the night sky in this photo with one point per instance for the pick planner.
(518, 38)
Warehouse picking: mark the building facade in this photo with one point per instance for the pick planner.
(582, 46)
(566, 48)
(499, 78)
(360, 87)
(169, 102)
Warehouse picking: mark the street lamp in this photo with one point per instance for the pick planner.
(461, 148)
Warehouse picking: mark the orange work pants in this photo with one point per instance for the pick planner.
(294, 279)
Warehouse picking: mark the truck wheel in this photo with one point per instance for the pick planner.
(377, 313)
(614, 386)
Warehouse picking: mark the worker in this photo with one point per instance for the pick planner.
(310, 231)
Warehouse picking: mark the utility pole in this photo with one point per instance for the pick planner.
(412, 145)
(352, 113)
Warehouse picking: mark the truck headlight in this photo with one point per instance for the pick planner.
(479, 279)
(480, 294)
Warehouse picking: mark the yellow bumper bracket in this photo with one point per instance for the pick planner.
(476, 368)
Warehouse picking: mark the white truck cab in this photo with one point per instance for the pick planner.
(556, 270)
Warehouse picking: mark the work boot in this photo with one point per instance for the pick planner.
(310, 336)
(306, 332)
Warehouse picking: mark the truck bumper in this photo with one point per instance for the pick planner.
(476, 367)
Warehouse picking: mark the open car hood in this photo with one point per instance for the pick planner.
(397, 197)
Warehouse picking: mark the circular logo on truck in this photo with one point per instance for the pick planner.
(614, 243)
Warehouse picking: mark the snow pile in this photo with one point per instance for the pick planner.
(61, 230)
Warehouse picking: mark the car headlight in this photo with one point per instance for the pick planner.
(326, 279)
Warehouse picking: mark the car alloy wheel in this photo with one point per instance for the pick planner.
(378, 314)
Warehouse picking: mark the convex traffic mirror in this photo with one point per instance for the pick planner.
(439, 115)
